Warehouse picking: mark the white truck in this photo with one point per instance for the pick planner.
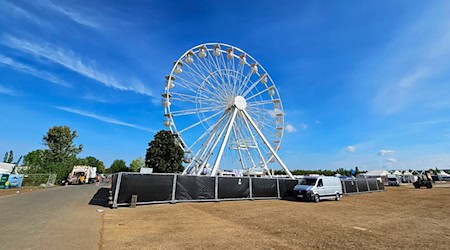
(318, 187)
(82, 175)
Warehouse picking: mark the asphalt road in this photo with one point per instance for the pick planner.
(55, 218)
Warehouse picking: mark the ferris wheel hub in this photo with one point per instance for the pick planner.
(240, 102)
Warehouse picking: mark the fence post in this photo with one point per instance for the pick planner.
(250, 187)
(278, 188)
(357, 188)
(116, 192)
(174, 188)
(216, 188)
(368, 187)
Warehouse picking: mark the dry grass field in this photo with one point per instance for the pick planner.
(401, 217)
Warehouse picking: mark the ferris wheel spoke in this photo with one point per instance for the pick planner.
(251, 104)
(209, 71)
(194, 74)
(194, 99)
(200, 122)
(196, 111)
(251, 88)
(200, 87)
(257, 94)
(214, 64)
(244, 82)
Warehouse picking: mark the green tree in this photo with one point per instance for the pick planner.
(137, 164)
(93, 162)
(5, 158)
(163, 154)
(59, 140)
(118, 166)
(35, 158)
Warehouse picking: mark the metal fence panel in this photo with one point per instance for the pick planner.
(287, 188)
(234, 187)
(263, 187)
(147, 187)
(195, 188)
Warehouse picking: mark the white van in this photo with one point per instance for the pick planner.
(318, 187)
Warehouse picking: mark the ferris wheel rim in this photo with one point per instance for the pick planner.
(168, 111)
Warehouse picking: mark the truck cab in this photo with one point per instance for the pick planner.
(318, 187)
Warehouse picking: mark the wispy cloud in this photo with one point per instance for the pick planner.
(32, 71)
(8, 91)
(350, 149)
(71, 14)
(95, 98)
(18, 11)
(290, 128)
(411, 72)
(103, 118)
(434, 122)
(71, 61)
(384, 152)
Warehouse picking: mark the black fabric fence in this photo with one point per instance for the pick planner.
(172, 188)
(361, 186)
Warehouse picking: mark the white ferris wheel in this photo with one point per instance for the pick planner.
(224, 111)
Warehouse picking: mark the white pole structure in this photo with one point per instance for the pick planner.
(257, 148)
(274, 153)
(224, 143)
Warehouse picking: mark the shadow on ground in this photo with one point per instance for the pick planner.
(100, 198)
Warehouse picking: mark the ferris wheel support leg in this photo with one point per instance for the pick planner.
(257, 148)
(268, 144)
(224, 143)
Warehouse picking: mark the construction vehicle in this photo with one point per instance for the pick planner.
(82, 175)
(423, 180)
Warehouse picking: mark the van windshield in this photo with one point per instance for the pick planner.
(392, 179)
(307, 182)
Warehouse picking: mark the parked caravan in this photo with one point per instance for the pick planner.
(318, 187)
(393, 180)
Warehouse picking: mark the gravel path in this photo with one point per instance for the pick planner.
(55, 218)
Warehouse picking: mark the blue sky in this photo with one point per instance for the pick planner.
(363, 83)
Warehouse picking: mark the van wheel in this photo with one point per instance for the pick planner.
(316, 198)
(338, 197)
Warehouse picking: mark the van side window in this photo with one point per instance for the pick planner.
(320, 184)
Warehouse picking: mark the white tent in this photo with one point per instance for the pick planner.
(6, 168)
(398, 173)
(376, 173)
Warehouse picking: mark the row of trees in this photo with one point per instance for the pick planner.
(163, 155)
(60, 154)
(121, 166)
(340, 171)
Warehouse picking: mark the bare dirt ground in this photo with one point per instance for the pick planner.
(400, 218)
